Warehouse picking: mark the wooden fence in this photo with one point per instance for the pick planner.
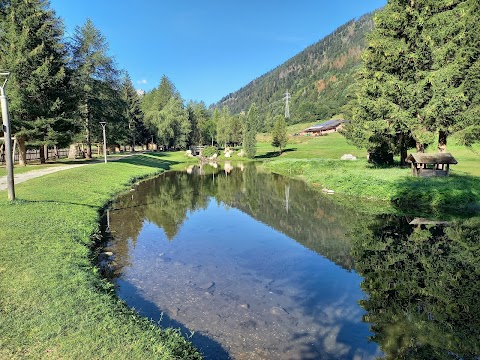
(34, 155)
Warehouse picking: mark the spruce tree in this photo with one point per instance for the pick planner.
(223, 127)
(453, 34)
(96, 79)
(216, 119)
(133, 113)
(420, 77)
(391, 89)
(279, 133)
(236, 129)
(32, 49)
(250, 132)
(198, 117)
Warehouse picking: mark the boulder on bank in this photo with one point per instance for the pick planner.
(348, 157)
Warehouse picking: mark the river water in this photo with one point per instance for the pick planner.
(253, 265)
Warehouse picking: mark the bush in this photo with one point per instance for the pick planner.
(209, 151)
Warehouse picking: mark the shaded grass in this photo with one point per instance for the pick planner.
(53, 302)
(316, 161)
(459, 193)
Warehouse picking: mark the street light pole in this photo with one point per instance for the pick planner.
(103, 123)
(7, 133)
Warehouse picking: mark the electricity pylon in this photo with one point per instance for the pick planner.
(287, 109)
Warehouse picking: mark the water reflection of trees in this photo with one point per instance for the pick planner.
(288, 206)
(423, 287)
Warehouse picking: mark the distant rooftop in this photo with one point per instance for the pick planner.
(330, 124)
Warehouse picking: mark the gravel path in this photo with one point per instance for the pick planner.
(34, 174)
(37, 173)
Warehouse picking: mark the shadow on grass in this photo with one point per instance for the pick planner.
(446, 197)
(272, 154)
(210, 348)
(154, 160)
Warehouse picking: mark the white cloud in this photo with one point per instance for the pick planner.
(143, 81)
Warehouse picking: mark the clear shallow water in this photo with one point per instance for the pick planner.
(258, 266)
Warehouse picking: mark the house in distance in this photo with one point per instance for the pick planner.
(323, 128)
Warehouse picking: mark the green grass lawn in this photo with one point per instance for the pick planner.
(316, 160)
(53, 301)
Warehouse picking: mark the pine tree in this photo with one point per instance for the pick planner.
(391, 87)
(236, 129)
(453, 34)
(133, 113)
(32, 49)
(223, 127)
(198, 117)
(96, 79)
(420, 77)
(216, 119)
(250, 132)
(279, 134)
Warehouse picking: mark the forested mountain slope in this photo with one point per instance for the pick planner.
(317, 78)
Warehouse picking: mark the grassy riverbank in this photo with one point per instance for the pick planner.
(317, 162)
(53, 302)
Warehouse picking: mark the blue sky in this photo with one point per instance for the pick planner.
(208, 48)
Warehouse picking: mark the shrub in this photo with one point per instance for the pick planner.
(209, 151)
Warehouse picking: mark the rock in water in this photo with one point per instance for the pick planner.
(277, 310)
(206, 286)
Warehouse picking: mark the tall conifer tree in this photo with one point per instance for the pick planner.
(96, 79)
(133, 113)
(391, 87)
(420, 77)
(453, 33)
(250, 132)
(279, 133)
(32, 49)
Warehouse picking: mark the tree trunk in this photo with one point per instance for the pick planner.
(88, 134)
(22, 151)
(72, 152)
(403, 157)
(442, 141)
(403, 151)
(420, 147)
(42, 154)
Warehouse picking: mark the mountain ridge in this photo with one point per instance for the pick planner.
(317, 78)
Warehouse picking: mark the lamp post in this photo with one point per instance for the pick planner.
(104, 123)
(7, 133)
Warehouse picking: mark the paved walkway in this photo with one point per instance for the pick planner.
(19, 178)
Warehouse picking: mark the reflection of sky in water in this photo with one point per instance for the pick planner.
(248, 287)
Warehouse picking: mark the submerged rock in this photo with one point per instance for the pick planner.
(277, 310)
(206, 286)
